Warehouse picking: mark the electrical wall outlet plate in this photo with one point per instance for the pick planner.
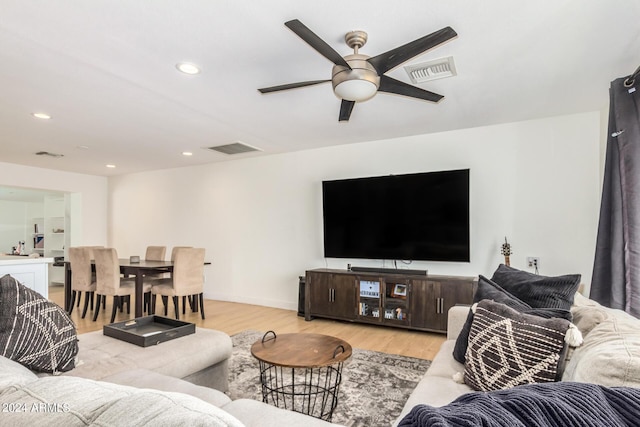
(533, 261)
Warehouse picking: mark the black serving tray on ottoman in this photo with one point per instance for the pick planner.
(149, 330)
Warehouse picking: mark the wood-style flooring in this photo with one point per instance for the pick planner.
(232, 318)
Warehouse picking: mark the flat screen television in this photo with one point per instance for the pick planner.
(421, 217)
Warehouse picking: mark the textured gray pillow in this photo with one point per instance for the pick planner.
(508, 348)
(536, 290)
(34, 331)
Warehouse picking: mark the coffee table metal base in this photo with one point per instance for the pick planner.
(312, 391)
(301, 372)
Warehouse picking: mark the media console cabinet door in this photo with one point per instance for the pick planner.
(331, 295)
(432, 299)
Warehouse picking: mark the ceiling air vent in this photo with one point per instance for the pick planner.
(432, 70)
(235, 148)
(46, 153)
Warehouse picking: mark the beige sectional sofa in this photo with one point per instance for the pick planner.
(176, 383)
(609, 355)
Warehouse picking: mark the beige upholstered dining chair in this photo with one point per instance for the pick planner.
(175, 249)
(165, 275)
(91, 248)
(155, 253)
(109, 281)
(82, 279)
(187, 280)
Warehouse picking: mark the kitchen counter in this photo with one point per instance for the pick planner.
(31, 272)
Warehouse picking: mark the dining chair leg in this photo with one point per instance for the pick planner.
(194, 308)
(165, 301)
(201, 298)
(175, 307)
(152, 304)
(145, 304)
(184, 304)
(73, 300)
(95, 313)
(117, 301)
(79, 297)
(87, 297)
(92, 295)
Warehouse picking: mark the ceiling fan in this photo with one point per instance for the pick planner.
(358, 77)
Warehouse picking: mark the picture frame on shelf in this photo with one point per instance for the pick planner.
(399, 291)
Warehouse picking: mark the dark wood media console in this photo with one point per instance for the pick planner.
(391, 299)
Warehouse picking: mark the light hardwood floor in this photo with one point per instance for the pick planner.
(232, 318)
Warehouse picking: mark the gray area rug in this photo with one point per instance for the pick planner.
(374, 386)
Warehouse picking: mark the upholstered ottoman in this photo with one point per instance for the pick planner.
(200, 358)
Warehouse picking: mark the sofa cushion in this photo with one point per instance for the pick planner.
(536, 290)
(144, 378)
(71, 401)
(489, 290)
(436, 387)
(610, 354)
(34, 331)
(253, 413)
(508, 348)
(12, 373)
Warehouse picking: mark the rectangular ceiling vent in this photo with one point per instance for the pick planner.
(432, 70)
(235, 148)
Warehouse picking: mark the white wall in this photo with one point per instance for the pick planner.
(88, 194)
(260, 220)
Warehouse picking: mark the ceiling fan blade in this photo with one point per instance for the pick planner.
(316, 42)
(291, 86)
(391, 85)
(345, 110)
(391, 59)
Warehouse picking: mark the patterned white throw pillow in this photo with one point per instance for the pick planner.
(507, 348)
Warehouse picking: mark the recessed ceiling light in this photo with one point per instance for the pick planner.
(83, 147)
(187, 153)
(110, 166)
(43, 116)
(188, 68)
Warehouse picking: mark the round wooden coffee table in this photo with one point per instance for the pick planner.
(301, 372)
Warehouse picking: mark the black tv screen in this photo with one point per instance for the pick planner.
(422, 216)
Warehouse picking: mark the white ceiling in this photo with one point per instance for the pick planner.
(105, 71)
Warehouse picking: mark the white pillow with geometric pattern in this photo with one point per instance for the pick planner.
(507, 348)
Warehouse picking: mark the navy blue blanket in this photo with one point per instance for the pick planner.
(559, 404)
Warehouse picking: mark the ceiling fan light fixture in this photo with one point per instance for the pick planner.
(356, 90)
(359, 83)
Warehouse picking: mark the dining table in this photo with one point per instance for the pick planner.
(128, 268)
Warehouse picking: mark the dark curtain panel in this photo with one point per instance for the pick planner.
(616, 269)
